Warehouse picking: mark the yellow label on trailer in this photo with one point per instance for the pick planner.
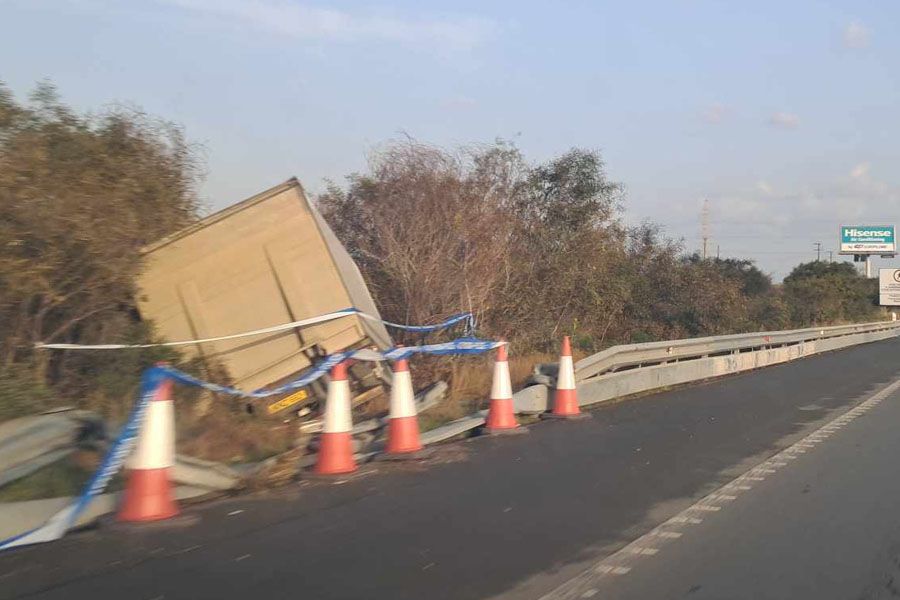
(287, 401)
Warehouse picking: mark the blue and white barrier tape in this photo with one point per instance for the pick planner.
(62, 521)
(467, 317)
(467, 345)
(153, 377)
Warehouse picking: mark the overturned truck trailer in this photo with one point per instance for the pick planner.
(268, 260)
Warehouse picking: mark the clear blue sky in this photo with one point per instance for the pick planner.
(785, 115)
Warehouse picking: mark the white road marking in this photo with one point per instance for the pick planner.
(612, 569)
(672, 535)
(684, 519)
(641, 550)
(637, 550)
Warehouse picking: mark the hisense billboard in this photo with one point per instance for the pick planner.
(867, 239)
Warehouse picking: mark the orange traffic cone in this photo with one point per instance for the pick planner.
(403, 423)
(148, 494)
(336, 446)
(565, 400)
(501, 417)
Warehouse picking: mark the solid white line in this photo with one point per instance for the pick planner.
(580, 582)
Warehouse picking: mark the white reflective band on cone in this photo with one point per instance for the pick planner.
(403, 403)
(501, 388)
(566, 378)
(156, 439)
(337, 408)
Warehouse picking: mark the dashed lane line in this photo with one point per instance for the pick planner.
(587, 584)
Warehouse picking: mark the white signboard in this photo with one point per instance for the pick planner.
(889, 287)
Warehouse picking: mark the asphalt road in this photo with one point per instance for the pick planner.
(820, 520)
(514, 517)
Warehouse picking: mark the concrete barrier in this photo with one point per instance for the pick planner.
(16, 517)
(684, 361)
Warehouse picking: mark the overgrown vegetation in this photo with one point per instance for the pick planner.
(538, 251)
(79, 196)
(535, 251)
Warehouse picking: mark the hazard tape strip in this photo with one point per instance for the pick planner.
(466, 345)
(62, 521)
(153, 377)
(462, 317)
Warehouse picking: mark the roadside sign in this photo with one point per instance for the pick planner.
(867, 239)
(889, 287)
(287, 401)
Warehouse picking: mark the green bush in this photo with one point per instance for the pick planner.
(20, 394)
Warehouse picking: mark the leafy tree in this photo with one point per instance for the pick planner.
(540, 250)
(79, 196)
(569, 195)
(430, 230)
(818, 293)
(753, 281)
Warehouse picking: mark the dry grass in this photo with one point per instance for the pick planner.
(229, 436)
(469, 380)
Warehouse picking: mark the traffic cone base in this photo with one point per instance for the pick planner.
(501, 418)
(335, 454)
(403, 435)
(565, 402)
(565, 406)
(148, 496)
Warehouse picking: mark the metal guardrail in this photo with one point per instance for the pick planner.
(629, 356)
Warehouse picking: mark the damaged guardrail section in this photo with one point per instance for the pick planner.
(634, 368)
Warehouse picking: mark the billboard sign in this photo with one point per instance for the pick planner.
(889, 287)
(867, 239)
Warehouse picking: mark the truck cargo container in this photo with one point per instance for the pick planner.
(268, 260)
